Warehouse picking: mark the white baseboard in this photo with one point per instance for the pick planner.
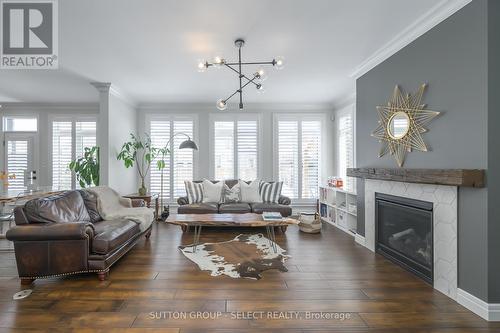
(488, 311)
(360, 239)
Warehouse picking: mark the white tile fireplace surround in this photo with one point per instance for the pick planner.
(444, 199)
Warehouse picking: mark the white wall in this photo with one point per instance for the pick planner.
(122, 121)
(43, 145)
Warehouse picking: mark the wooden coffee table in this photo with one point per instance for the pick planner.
(228, 220)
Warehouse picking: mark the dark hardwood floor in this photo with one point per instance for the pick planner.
(328, 274)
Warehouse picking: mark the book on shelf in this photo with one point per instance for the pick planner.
(272, 216)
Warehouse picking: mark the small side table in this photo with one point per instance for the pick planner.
(148, 197)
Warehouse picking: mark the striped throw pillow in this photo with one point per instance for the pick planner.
(194, 191)
(270, 192)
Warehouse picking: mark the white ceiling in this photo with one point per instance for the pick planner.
(149, 49)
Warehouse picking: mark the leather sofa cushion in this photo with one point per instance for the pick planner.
(90, 201)
(64, 207)
(259, 208)
(109, 235)
(199, 208)
(235, 208)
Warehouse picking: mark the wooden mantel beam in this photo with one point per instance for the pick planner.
(451, 177)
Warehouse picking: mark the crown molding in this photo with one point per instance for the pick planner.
(102, 87)
(43, 106)
(344, 101)
(437, 14)
(249, 107)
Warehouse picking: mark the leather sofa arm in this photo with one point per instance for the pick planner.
(284, 200)
(183, 201)
(51, 231)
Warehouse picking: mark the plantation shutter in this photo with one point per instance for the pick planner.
(346, 149)
(62, 144)
(224, 150)
(183, 158)
(311, 141)
(17, 162)
(288, 157)
(247, 141)
(160, 134)
(179, 164)
(85, 137)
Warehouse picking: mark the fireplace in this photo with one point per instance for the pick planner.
(404, 233)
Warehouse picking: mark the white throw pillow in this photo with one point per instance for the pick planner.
(212, 192)
(250, 192)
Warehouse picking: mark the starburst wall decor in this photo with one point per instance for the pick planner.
(401, 124)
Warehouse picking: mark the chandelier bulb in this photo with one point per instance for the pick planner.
(279, 62)
(219, 61)
(202, 66)
(261, 75)
(260, 88)
(221, 104)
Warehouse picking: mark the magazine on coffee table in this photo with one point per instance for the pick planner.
(272, 216)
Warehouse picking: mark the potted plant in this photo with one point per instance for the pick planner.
(141, 153)
(86, 168)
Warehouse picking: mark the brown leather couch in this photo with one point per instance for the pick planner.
(283, 205)
(64, 234)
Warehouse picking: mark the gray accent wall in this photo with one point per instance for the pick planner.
(453, 59)
(494, 151)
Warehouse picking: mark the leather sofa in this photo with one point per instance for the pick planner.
(64, 234)
(282, 206)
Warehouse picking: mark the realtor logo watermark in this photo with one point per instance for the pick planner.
(29, 35)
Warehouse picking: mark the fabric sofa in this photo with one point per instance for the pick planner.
(65, 234)
(282, 206)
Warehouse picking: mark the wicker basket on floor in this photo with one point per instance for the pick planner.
(310, 223)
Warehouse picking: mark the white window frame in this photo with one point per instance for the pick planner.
(21, 116)
(234, 117)
(347, 110)
(174, 117)
(73, 119)
(321, 117)
(35, 134)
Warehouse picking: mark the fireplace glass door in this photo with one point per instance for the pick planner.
(404, 233)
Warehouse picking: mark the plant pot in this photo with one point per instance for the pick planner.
(142, 190)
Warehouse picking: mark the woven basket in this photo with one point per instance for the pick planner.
(310, 223)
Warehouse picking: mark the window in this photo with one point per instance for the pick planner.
(298, 153)
(224, 149)
(20, 124)
(345, 149)
(62, 144)
(69, 139)
(18, 158)
(235, 148)
(179, 165)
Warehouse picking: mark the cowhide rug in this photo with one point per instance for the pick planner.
(246, 256)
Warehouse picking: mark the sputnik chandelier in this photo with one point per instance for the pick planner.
(255, 80)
